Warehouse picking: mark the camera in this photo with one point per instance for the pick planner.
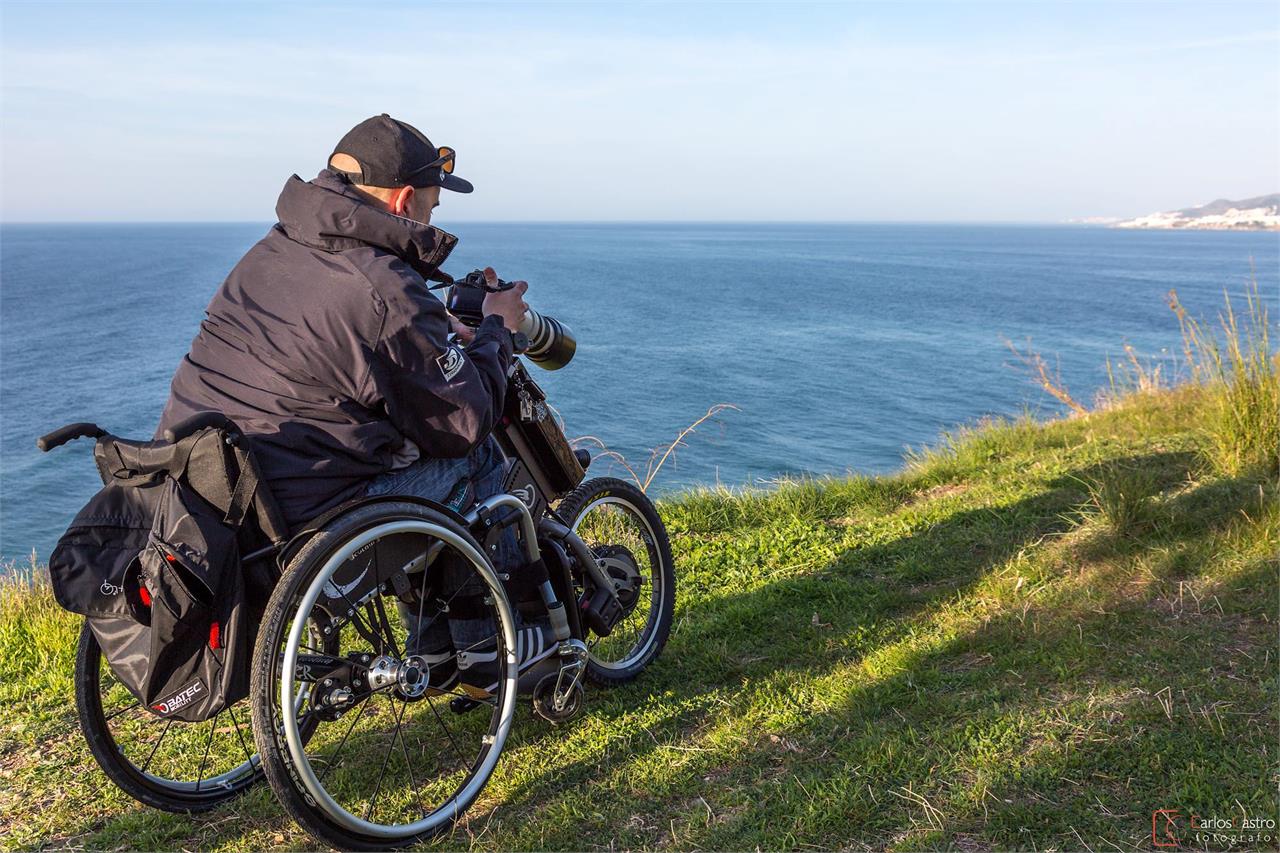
(548, 343)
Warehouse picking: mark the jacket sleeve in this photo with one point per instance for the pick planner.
(442, 397)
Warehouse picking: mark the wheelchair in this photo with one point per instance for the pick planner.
(367, 741)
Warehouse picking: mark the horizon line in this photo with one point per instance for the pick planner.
(1035, 222)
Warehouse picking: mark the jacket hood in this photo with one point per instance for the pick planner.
(326, 214)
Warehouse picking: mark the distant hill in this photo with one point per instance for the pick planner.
(1260, 213)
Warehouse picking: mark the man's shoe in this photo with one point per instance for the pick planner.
(478, 665)
(444, 669)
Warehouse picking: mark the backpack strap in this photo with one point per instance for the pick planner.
(249, 491)
(210, 469)
(242, 496)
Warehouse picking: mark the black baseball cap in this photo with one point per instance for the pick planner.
(393, 153)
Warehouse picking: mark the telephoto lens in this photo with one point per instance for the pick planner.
(551, 343)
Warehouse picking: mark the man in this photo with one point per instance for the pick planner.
(325, 345)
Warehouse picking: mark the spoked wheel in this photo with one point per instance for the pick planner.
(622, 528)
(168, 764)
(391, 762)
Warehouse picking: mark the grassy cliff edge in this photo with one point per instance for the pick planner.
(1032, 637)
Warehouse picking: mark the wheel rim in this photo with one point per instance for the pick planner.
(218, 751)
(310, 770)
(633, 636)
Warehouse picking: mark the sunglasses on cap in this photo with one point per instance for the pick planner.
(444, 162)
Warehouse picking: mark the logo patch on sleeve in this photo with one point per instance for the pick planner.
(451, 361)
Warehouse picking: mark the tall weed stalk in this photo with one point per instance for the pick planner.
(1134, 374)
(1241, 372)
(658, 456)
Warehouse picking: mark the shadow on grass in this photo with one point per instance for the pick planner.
(770, 623)
(864, 601)
(867, 601)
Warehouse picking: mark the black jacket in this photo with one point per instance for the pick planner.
(325, 345)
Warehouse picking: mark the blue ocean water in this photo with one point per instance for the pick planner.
(840, 344)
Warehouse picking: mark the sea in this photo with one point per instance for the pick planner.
(837, 345)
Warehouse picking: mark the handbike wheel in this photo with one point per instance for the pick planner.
(622, 528)
(167, 764)
(390, 763)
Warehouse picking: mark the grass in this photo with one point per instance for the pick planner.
(956, 656)
(1032, 637)
(1237, 361)
(1120, 497)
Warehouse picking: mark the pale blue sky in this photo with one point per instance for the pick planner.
(577, 111)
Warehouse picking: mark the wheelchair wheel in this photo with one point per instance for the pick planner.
(622, 528)
(391, 761)
(168, 764)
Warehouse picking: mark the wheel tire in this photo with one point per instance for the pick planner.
(570, 510)
(144, 788)
(276, 759)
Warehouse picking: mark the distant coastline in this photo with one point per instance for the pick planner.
(1261, 213)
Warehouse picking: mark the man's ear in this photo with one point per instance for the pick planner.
(400, 201)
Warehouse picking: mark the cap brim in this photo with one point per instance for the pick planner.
(458, 185)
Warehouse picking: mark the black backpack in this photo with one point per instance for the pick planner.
(153, 562)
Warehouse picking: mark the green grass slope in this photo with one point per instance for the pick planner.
(1031, 638)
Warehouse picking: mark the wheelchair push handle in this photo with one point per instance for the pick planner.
(197, 422)
(177, 432)
(70, 432)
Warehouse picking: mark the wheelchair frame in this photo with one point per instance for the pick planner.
(529, 489)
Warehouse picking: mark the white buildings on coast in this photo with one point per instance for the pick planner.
(1261, 213)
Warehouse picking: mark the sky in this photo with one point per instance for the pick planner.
(956, 112)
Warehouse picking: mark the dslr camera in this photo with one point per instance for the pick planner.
(546, 341)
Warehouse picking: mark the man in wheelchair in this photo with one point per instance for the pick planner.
(325, 346)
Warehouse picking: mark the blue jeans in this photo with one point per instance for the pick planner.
(458, 484)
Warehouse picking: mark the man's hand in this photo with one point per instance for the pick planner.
(465, 333)
(509, 304)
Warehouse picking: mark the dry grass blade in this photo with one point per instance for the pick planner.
(1050, 381)
(1133, 375)
(667, 450)
(659, 455)
(607, 453)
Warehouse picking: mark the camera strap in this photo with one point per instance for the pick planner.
(442, 279)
